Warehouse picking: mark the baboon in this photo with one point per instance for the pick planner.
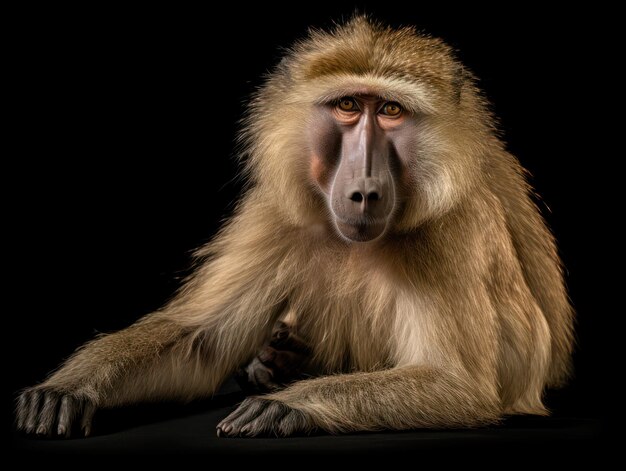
(386, 224)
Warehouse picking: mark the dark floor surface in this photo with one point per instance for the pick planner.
(161, 430)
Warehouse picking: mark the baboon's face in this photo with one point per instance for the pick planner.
(359, 145)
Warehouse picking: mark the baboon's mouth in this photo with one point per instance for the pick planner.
(360, 231)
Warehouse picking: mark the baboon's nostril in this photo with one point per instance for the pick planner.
(357, 197)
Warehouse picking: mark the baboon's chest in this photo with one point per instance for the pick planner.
(348, 327)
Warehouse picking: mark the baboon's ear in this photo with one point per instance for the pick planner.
(459, 80)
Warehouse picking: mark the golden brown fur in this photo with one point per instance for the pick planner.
(456, 316)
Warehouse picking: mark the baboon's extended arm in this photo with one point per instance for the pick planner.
(110, 370)
(183, 352)
(396, 399)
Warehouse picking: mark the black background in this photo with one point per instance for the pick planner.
(121, 137)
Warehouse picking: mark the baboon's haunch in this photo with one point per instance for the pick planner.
(388, 226)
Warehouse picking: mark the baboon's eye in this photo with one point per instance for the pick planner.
(347, 104)
(391, 108)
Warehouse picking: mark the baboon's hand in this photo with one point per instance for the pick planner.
(278, 363)
(46, 411)
(266, 417)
